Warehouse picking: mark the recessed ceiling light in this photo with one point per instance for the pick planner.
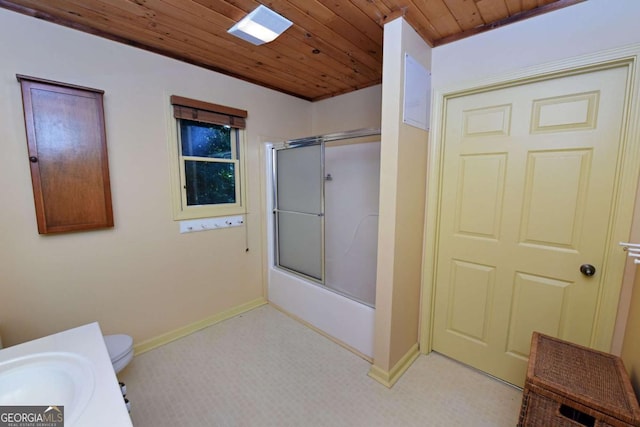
(261, 26)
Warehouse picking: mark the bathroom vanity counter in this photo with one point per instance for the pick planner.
(72, 368)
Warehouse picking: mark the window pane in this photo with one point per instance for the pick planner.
(205, 140)
(209, 183)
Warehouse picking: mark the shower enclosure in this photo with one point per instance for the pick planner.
(324, 199)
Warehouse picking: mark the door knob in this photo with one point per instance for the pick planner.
(588, 270)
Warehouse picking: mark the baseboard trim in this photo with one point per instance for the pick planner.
(168, 337)
(389, 378)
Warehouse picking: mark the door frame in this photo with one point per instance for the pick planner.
(611, 312)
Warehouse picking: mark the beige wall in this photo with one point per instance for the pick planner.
(631, 341)
(361, 109)
(402, 196)
(631, 348)
(142, 277)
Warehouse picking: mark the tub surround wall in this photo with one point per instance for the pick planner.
(351, 199)
(344, 320)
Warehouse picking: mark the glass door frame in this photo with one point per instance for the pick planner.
(305, 142)
(300, 142)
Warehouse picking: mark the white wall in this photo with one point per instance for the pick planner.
(580, 29)
(142, 277)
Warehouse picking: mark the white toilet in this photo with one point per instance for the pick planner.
(120, 348)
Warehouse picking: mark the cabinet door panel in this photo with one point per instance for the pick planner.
(68, 156)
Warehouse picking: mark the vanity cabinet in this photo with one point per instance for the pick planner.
(67, 153)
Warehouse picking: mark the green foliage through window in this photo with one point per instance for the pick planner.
(210, 183)
(209, 153)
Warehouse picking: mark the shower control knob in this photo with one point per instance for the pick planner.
(588, 270)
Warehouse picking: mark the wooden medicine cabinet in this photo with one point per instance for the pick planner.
(67, 152)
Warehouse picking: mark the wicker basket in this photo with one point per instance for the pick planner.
(571, 385)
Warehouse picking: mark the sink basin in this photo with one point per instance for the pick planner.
(48, 379)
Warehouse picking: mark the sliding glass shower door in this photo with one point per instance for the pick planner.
(299, 209)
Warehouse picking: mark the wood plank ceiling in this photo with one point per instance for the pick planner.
(333, 47)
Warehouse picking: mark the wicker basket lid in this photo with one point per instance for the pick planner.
(590, 377)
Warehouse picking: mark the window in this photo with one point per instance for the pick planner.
(207, 161)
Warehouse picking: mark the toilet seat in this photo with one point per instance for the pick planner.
(120, 348)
